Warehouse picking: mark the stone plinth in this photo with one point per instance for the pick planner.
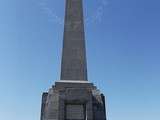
(73, 101)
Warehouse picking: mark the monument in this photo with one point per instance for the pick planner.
(73, 97)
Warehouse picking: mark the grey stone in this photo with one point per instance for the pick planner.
(61, 95)
(74, 65)
(73, 97)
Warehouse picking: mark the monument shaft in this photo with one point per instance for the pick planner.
(74, 65)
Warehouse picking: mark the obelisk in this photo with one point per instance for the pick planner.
(73, 97)
(74, 54)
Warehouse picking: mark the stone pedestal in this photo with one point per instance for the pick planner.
(73, 100)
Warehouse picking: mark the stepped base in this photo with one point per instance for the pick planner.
(73, 100)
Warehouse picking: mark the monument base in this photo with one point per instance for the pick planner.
(73, 100)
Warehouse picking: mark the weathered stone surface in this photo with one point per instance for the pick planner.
(84, 95)
(73, 97)
(43, 105)
(74, 66)
(75, 111)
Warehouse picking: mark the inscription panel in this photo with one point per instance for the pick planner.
(75, 112)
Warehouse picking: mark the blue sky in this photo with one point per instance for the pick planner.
(123, 39)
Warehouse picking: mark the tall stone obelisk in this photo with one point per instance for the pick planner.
(74, 55)
(73, 97)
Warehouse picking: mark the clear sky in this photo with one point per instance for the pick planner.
(123, 52)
